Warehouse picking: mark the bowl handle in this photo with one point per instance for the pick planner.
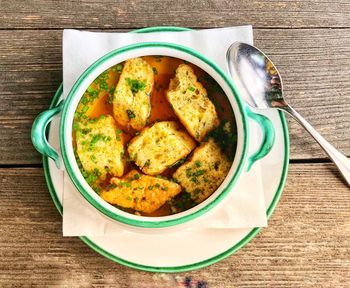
(268, 138)
(39, 133)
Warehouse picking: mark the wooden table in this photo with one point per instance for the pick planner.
(307, 242)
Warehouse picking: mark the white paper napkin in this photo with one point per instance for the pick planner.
(243, 208)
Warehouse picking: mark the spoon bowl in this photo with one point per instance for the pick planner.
(257, 78)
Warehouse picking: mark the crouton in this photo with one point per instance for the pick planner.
(204, 172)
(191, 104)
(131, 99)
(99, 149)
(160, 146)
(140, 192)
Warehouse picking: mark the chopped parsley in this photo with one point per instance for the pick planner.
(135, 85)
(90, 89)
(199, 172)
(198, 163)
(80, 116)
(124, 184)
(197, 191)
(110, 98)
(131, 114)
(90, 177)
(148, 162)
(85, 131)
(193, 175)
(119, 68)
(154, 69)
(136, 176)
(103, 85)
(181, 202)
(96, 138)
(93, 158)
(75, 126)
(191, 88)
(225, 136)
(118, 132)
(111, 186)
(85, 109)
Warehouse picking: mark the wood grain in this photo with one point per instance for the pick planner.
(133, 14)
(307, 242)
(313, 62)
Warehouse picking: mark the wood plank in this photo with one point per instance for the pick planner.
(313, 62)
(16, 146)
(306, 244)
(126, 14)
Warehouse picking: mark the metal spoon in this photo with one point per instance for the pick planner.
(260, 85)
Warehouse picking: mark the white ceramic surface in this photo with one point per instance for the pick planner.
(187, 249)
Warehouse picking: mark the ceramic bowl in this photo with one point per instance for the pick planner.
(66, 159)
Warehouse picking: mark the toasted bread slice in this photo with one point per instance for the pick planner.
(131, 99)
(191, 104)
(140, 192)
(98, 147)
(204, 172)
(160, 146)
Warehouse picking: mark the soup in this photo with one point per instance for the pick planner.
(154, 135)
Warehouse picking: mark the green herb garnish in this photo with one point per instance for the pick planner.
(135, 85)
(93, 158)
(119, 68)
(131, 114)
(225, 135)
(118, 132)
(110, 98)
(85, 109)
(198, 163)
(96, 138)
(125, 184)
(148, 162)
(181, 202)
(191, 88)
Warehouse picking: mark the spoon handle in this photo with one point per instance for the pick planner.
(339, 159)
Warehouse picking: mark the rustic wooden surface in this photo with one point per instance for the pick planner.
(307, 243)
